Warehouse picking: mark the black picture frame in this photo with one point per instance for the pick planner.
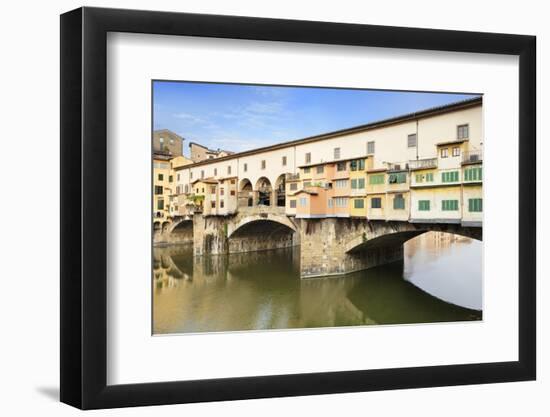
(84, 207)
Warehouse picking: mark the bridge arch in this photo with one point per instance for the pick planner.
(254, 233)
(259, 218)
(392, 234)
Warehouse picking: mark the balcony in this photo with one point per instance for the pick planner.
(423, 163)
(472, 157)
(292, 177)
(397, 166)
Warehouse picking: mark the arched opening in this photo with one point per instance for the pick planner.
(165, 226)
(156, 227)
(261, 234)
(280, 187)
(246, 193)
(183, 232)
(264, 190)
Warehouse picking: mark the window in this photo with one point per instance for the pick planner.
(170, 178)
(449, 205)
(444, 152)
(284, 161)
(171, 141)
(186, 188)
(419, 178)
(341, 166)
(411, 140)
(232, 192)
(215, 172)
(222, 204)
(263, 163)
(430, 177)
(245, 167)
(158, 189)
(451, 176)
(222, 191)
(232, 182)
(320, 169)
(341, 202)
(330, 203)
(398, 178)
(462, 132)
(293, 186)
(475, 204)
(376, 203)
(473, 174)
(161, 140)
(398, 202)
(292, 203)
(202, 174)
(358, 203)
(190, 175)
(370, 147)
(341, 183)
(307, 184)
(178, 177)
(160, 204)
(358, 183)
(424, 205)
(336, 153)
(308, 157)
(456, 151)
(306, 170)
(357, 165)
(212, 190)
(213, 204)
(161, 177)
(303, 202)
(376, 179)
(229, 170)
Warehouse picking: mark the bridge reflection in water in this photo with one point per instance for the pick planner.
(439, 280)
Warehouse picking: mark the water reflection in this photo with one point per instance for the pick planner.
(263, 290)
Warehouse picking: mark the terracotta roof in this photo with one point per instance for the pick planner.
(335, 161)
(452, 142)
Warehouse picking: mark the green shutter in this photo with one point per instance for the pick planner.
(354, 183)
(424, 205)
(430, 177)
(361, 183)
(475, 204)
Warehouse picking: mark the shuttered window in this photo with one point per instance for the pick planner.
(473, 174)
(376, 179)
(475, 204)
(449, 205)
(398, 202)
(358, 203)
(376, 202)
(424, 205)
(451, 176)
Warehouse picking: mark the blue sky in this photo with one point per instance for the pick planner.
(241, 117)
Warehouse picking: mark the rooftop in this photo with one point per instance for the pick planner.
(432, 111)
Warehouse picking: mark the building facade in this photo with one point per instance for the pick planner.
(421, 167)
(168, 143)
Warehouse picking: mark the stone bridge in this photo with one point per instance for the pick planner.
(328, 246)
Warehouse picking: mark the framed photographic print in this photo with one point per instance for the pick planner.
(258, 207)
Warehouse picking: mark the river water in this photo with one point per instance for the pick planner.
(439, 280)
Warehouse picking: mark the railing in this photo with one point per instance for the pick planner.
(290, 177)
(423, 163)
(470, 157)
(398, 166)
